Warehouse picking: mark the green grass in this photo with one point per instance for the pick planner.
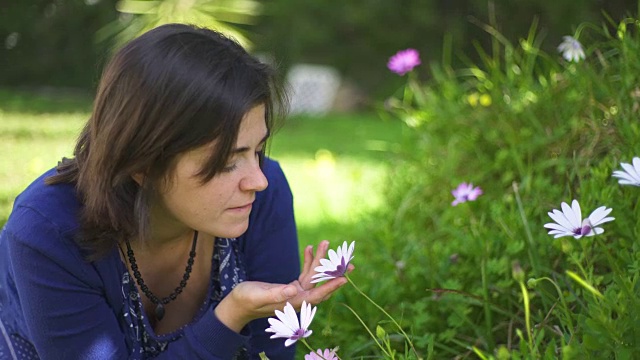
(334, 163)
(33, 139)
(336, 166)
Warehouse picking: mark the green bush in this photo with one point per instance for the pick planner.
(483, 278)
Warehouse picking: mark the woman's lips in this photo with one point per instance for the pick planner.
(244, 208)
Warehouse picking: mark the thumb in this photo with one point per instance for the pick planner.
(288, 292)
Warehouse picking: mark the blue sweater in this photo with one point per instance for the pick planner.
(56, 305)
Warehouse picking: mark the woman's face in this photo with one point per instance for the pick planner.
(221, 206)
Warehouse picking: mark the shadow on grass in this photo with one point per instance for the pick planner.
(358, 135)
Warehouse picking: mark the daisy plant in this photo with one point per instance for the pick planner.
(336, 266)
(630, 175)
(569, 222)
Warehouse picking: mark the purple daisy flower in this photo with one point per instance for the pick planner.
(404, 61)
(465, 192)
(328, 354)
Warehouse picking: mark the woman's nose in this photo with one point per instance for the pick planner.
(254, 180)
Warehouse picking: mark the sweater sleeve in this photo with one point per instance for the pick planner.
(270, 248)
(63, 301)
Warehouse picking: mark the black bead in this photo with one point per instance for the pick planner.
(159, 311)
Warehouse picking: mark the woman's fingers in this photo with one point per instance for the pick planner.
(308, 259)
(321, 253)
(319, 293)
(309, 268)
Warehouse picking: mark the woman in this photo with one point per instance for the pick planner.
(169, 235)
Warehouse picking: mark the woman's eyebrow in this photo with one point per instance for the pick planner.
(246, 148)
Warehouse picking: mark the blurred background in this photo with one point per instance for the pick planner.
(63, 43)
(373, 156)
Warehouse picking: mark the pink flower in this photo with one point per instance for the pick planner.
(465, 192)
(329, 354)
(404, 61)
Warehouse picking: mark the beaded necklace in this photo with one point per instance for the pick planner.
(160, 303)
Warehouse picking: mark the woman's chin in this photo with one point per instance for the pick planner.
(232, 232)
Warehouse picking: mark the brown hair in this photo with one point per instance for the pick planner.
(174, 88)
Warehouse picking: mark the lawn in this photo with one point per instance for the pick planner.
(335, 163)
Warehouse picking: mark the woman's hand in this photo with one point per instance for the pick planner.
(251, 300)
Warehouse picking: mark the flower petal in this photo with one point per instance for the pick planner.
(289, 342)
(595, 231)
(292, 317)
(560, 218)
(636, 164)
(631, 171)
(625, 178)
(306, 315)
(350, 251)
(562, 235)
(598, 216)
(279, 328)
(321, 278)
(555, 226)
(333, 257)
(577, 212)
(327, 264)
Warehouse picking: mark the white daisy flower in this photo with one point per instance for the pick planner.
(631, 173)
(287, 325)
(571, 49)
(337, 264)
(568, 222)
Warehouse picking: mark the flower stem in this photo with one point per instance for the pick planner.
(527, 315)
(563, 302)
(486, 305)
(366, 328)
(384, 312)
(307, 345)
(531, 248)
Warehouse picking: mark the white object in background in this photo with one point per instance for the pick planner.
(313, 88)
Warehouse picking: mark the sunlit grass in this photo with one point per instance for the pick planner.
(30, 144)
(336, 167)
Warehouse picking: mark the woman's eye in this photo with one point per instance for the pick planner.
(230, 168)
